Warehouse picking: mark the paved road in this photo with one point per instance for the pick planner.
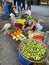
(42, 12)
(8, 54)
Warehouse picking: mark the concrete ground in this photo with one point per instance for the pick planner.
(42, 12)
(8, 53)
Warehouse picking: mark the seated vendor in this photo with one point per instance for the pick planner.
(29, 27)
(13, 10)
(16, 11)
(28, 11)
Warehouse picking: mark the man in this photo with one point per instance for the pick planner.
(19, 4)
(23, 4)
(38, 2)
(14, 2)
(0, 2)
(7, 7)
(29, 3)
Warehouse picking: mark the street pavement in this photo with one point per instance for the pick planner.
(42, 12)
(8, 53)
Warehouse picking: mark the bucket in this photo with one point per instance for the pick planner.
(22, 60)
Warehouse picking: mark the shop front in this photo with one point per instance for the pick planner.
(40, 2)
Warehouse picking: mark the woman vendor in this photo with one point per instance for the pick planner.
(29, 27)
(32, 26)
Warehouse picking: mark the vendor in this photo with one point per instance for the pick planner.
(28, 11)
(16, 11)
(29, 27)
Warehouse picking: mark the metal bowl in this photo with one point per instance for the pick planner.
(24, 15)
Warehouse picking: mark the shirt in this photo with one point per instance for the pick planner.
(28, 12)
(16, 11)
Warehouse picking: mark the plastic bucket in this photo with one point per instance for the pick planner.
(22, 60)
